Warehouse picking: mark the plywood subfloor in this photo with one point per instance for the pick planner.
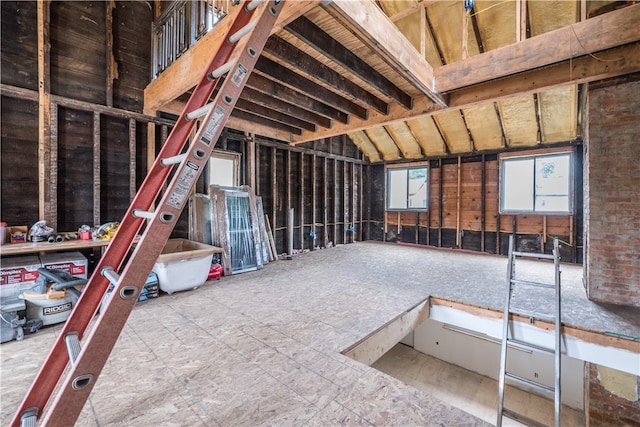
(468, 390)
(263, 348)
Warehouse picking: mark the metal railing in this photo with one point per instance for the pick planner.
(180, 26)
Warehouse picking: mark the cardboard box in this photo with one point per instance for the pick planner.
(73, 263)
(18, 274)
(18, 234)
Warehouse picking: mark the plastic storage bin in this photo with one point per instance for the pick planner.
(183, 264)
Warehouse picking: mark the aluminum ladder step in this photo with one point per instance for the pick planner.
(523, 345)
(533, 314)
(535, 284)
(543, 389)
(533, 255)
(521, 418)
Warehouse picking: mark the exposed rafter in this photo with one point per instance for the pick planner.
(294, 57)
(313, 35)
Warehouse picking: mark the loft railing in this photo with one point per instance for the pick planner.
(180, 26)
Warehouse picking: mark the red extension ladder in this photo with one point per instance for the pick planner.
(88, 354)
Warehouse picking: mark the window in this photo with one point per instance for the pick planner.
(223, 169)
(536, 184)
(407, 188)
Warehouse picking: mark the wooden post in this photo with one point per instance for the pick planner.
(132, 159)
(325, 198)
(257, 167)
(345, 201)
(301, 213)
(47, 153)
(251, 160)
(429, 207)
(96, 169)
(458, 207)
(151, 144)
(288, 186)
(314, 177)
(498, 213)
(274, 195)
(423, 31)
(465, 32)
(483, 190)
(361, 201)
(440, 204)
(336, 197)
(521, 20)
(112, 67)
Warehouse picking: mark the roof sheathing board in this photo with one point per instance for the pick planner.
(336, 30)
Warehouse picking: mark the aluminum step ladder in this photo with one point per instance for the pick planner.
(170, 179)
(508, 341)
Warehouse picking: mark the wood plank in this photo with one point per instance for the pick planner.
(293, 110)
(256, 119)
(587, 335)
(289, 78)
(593, 35)
(284, 93)
(132, 159)
(295, 58)
(112, 67)
(612, 63)
(96, 169)
(47, 150)
(383, 339)
(274, 115)
(381, 35)
(314, 36)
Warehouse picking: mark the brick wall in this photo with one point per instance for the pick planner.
(612, 398)
(612, 194)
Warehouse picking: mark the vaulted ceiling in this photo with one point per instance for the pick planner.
(418, 79)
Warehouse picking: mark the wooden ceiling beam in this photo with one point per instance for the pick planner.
(254, 119)
(286, 94)
(373, 28)
(271, 114)
(322, 42)
(593, 35)
(284, 107)
(612, 63)
(294, 57)
(297, 82)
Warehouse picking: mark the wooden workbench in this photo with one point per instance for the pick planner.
(67, 245)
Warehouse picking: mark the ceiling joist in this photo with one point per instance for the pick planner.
(292, 56)
(322, 42)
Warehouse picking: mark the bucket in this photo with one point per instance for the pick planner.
(3, 233)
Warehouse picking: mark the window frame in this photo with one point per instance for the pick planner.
(420, 165)
(226, 155)
(535, 155)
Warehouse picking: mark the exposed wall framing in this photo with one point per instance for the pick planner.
(89, 147)
(463, 212)
(324, 187)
